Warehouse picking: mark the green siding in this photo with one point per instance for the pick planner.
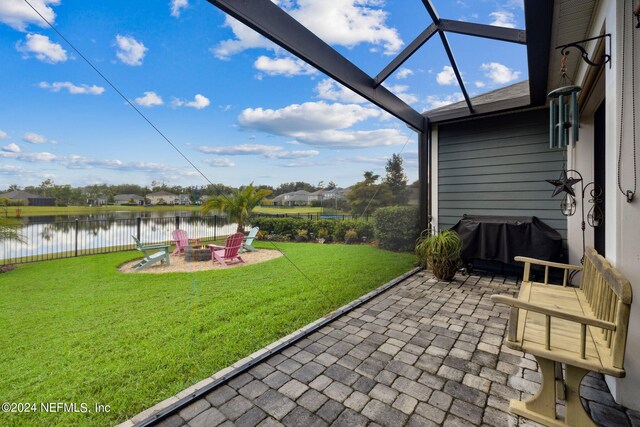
(498, 166)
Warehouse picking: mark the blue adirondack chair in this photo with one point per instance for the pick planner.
(248, 241)
(151, 258)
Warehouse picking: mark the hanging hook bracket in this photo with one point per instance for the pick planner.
(606, 57)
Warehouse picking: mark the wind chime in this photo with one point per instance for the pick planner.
(564, 114)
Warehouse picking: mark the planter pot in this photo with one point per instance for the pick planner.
(444, 269)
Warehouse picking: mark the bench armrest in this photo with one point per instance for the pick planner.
(145, 247)
(589, 321)
(566, 267)
(548, 263)
(216, 247)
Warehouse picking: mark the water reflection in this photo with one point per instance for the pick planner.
(107, 232)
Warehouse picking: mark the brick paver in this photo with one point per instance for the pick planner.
(423, 353)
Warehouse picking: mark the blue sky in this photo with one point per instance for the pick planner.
(238, 107)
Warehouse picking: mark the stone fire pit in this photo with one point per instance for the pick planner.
(197, 253)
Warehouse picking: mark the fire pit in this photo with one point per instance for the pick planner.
(197, 253)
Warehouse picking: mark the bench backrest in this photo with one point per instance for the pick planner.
(608, 294)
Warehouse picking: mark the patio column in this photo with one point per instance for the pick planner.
(424, 171)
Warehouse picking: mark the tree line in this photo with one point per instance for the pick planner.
(363, 197)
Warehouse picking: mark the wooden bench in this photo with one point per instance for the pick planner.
(583, 328)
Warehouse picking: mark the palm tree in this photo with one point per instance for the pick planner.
(238, 205)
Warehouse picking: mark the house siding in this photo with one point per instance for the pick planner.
(498, 166)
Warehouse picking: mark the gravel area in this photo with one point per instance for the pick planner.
(179, 265)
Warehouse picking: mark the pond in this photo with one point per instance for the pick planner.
(52, 237)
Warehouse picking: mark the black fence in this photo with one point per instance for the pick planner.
(45, 241)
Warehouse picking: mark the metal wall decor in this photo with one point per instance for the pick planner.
(564, 184)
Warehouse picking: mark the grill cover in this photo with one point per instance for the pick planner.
(501, 238)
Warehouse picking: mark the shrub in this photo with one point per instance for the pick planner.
(363, 228)
(276, 238)
(351, 236)
(302, 235)
(322, 233)
(396, 227)
(283, 226)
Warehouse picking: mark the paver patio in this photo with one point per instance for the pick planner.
(423, 353)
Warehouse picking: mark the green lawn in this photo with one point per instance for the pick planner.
(77, 330)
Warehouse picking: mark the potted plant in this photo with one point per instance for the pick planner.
(440, 251)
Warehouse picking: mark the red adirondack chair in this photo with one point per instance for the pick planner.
(229, 251)
(182, 241)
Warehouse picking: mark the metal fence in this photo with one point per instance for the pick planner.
(87, 237)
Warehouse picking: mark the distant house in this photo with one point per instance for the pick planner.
(278, 200)
(317, 196)
(184, 199)
(29, 199)
(163, 197)
(336, 193)
(296, 198)
(126, 199)
(97, 200)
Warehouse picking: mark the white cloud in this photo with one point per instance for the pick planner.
(502, 18)
(29, 157)
(334, 91)
(339, 22)
(11, 148)
(375, 160)
(295, 154)
(267, 151)
(499, 73)
(130, 51)
(149, 99)
(403, 73)
(479, 84)
(435, 101)
(75, 161)
(322, 124)
(199, 102)
(401, 91)
(3, 134)
(36, 138)
(10, 170)
(42, 49)
(18, 15)
(177, 6)
(240, 150)
(515, 4)
(83, 89)
(446, 77)
(221, 163)
(308, 117)
(246, 38)
(288, 67)
(355, 139)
